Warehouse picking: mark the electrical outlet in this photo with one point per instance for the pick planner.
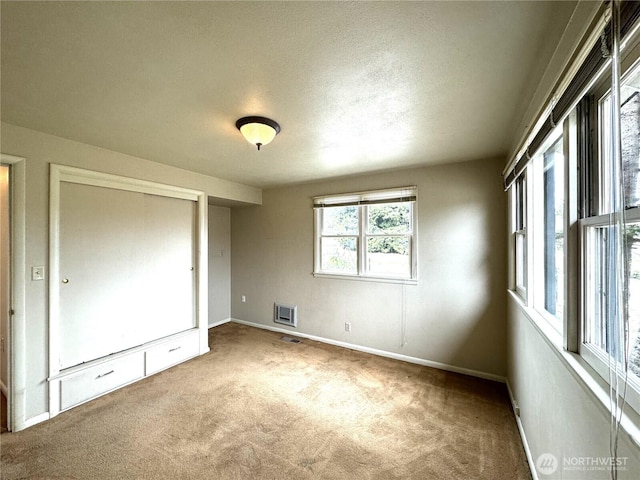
(347, 326)
(243, 298)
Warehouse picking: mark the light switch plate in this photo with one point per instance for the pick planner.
(37, 273)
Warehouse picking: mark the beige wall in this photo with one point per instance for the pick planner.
(455, 315)
(559, 413)
(40, 150)
(219, 264)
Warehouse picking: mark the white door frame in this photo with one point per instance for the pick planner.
(16, 408)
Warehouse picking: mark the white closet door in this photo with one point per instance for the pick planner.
(169, 277)
(126, 262)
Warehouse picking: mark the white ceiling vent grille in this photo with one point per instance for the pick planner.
(286, 314)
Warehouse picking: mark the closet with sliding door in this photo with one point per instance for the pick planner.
(127, 282)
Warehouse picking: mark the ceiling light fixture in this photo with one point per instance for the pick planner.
(258, 130)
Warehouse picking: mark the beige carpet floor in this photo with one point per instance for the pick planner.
(256, 407)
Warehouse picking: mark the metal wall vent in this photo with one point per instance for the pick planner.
(286, 314)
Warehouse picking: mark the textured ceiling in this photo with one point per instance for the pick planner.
(357, 87)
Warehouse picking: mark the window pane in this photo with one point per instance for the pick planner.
(520, 222)
(339, 255)
(602, 187)
(633, 292)
(520, 207)
(599, 311)
(370, 240)
(388, 256)
(390, 218)
(630, 133)
(596, 287)
(340, 220)
(630, 143)
(554, 230)
(521, 260)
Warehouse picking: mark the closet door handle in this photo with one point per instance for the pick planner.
(105, 374)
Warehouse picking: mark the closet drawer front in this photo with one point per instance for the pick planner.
(167, 354)
(100, 379)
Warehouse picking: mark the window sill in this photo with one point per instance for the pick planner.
(583, 373)
(362, 278)
(542, 324)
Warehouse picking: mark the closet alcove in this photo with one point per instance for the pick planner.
(127, 283)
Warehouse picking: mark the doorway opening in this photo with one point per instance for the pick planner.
(5, 294)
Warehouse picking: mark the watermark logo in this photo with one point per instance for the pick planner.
(547, 464)
(595, 464)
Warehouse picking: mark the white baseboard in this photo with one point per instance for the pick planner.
(4, 389)
(380, 353)
(221, 322)
(527, 450)
(29, 422)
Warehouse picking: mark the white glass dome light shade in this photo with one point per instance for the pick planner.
(258, 131)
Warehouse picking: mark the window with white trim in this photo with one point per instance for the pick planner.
(367, 235)
(611, 322)
(576, 230)
(548, 229)
(520, 234)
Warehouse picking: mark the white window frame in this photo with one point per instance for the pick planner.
(596, 358)
(363, 200)
(519, 229)
(536, 278)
